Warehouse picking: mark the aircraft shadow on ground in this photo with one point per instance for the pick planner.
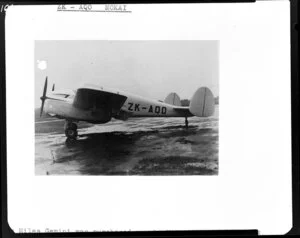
(118, 138)
(105, 153)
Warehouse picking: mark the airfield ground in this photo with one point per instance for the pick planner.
(147, 146)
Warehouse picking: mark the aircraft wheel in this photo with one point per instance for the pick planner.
(70, 125)
(71, 132)
(74, 126)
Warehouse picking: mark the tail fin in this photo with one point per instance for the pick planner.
(173, 99)
(202, 103)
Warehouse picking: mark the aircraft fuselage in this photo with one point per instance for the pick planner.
(134, 106)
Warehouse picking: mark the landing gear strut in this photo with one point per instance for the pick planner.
(186, 123)
(71, 130)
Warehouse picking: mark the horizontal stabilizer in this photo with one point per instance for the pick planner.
(202, 103)
(173, 99)
(184, 111)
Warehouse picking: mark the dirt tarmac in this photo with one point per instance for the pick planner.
(139, 146)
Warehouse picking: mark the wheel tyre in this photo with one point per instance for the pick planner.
(73, 126)
(71, 133)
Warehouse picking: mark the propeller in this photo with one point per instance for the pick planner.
(44, 97)
(53, 87)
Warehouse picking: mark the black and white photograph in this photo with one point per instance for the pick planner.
(126, 107)
(149, 117)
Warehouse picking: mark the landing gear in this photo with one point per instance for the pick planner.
(186, 123)
(71, 130)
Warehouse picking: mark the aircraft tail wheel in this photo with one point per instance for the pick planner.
(71, 132)
(186, 123)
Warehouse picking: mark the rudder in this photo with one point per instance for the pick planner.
(202, 103)
(173, 99)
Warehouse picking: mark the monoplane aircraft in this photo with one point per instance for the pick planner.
(98, 105)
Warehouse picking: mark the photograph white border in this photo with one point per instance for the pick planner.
(253, 188)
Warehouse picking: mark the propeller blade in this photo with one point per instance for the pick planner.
(53, 87)
(42, 108)
(44, 97)
(45, 87)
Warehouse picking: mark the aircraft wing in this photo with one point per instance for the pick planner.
(90, 96)
(184, 111)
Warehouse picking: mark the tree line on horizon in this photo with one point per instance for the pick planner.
(186, 102)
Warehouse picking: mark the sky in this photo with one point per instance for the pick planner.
(151, 69)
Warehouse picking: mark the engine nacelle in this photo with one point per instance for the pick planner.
(63, 109)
